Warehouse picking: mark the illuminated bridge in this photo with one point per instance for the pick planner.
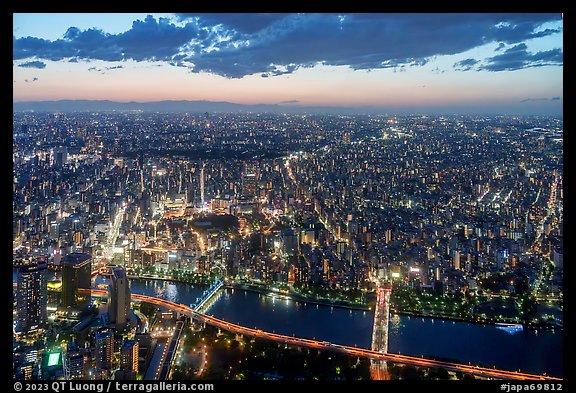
(378, 368)
(369, 353)
(201, 301)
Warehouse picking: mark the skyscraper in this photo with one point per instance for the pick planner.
(119, 297)
(202, 188)
(289, 242)
(250, 180)
(31, 297)
(73, 362)
(76, 275)
(60, 156)
(129, 355)
(26, 371)
(104, 350)
(456, 258)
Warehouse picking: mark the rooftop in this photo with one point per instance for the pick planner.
(76, 258)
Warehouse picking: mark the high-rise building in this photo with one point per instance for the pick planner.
(60, 156)
(341, 248)
(31, 296)
(250, 180)
(307, 236)
(119, 297)
(54, 230)
(52, 367)
(76, 276)
(456, 258)
(289, 242)
(129, 355)
(104, 350)
(73, 363)
(388, 236)
(26, 371)
(558, 258)
(346, 137)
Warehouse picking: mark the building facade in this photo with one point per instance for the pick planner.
(119, 297)
(76, 280)
(31, 297)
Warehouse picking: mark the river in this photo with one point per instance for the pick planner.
(530, 351)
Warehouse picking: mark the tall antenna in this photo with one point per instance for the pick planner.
(202, 188)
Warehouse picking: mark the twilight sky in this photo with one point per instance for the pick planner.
(436, 63)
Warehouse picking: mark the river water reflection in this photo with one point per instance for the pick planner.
(530, 351)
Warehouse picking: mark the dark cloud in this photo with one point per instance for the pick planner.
(518, 57)
(147, 40)
(154, 40)
(91, 44)
(33, 64)
(555, 98)
(30, 81)
(236, 45)
(466, 64)
(290, 102)
(243, 23)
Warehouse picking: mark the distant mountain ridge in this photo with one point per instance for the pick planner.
(178, 106)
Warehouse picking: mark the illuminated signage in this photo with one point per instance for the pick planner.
(53, 359)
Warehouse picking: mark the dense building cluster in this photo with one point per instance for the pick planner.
(443, 201)
(440, 204)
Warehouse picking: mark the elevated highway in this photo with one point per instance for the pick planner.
(369, 353)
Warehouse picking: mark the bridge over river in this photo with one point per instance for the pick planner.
(369, 353)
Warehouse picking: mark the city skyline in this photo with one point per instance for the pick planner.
(393, 63)
(342, 235)
(303, 196)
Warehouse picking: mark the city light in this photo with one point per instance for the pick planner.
(316, 204)
(53, 359)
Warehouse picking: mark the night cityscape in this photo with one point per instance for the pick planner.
(202, 197)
